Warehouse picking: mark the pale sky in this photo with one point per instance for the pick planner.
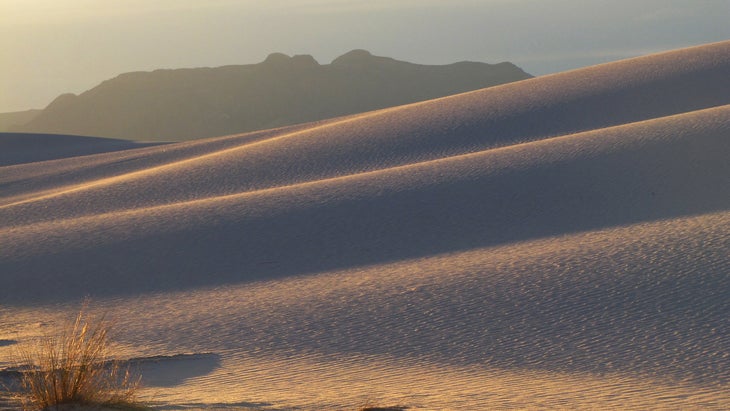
(50, 47)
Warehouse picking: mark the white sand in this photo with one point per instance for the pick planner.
(20, 148)
(561, 242)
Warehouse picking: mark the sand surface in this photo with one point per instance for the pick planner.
(560, 242)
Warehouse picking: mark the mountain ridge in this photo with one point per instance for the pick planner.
(191, 103)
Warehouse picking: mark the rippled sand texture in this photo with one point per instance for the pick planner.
(560, 242)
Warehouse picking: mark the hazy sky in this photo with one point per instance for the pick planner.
(50, 47)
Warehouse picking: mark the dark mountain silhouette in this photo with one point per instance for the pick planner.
(184, 104)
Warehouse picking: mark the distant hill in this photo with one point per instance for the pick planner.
(9, 121)
(185, 104)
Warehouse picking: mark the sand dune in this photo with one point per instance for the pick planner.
(615, 176)
(20, 148)
(589, 99)
(564, 230)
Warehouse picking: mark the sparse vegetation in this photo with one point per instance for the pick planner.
(74, 368)
(370, 406)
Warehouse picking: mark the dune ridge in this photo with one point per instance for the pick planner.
(414, 133)
(621, 92)
(572, 225)
(651, 149)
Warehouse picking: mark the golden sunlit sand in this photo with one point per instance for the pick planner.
(556, 243)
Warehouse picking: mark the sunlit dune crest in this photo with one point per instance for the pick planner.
(559, 242)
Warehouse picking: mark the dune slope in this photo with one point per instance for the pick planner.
(562, 239)
(588, 99)
(20, 148)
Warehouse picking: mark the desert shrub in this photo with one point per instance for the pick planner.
(372, 406)
(74, 367)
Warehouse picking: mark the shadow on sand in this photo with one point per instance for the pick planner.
(169, 371)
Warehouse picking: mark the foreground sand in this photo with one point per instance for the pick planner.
(560, 242)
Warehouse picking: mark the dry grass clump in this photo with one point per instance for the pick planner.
(74, 368)
(372, 406)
